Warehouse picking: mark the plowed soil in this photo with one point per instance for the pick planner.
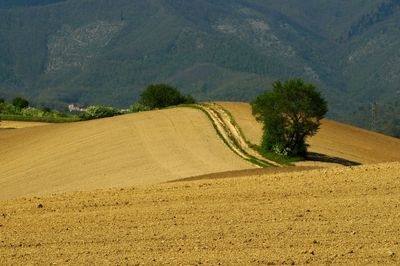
(348, 216)
(143, 148)
(335, 140)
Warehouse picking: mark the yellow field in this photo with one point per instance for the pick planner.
(19, 124)
(243, 216)
(143, 148)
(334, 139)
(347, 216)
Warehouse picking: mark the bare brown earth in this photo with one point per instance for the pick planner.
(348, 216)
(335, 140)
(143, 148)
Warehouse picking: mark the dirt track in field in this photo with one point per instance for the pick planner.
(340, 143)
(232, 135)
(143, 148)
(347, 216)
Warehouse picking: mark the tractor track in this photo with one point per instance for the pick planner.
(228, 130)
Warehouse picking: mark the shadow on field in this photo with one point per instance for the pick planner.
(319, 157)
(248, 172)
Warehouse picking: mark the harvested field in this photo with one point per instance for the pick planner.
(19, 124)
(347, 216)
(339, 142)
(143, 148)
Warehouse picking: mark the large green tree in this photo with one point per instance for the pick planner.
(163, 95)
(20, 103)
(291, 112)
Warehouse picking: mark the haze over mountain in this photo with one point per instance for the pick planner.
(99, 51)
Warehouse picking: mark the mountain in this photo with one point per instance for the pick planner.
(98, 51)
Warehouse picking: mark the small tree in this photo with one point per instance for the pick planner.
(163, 95)
(291, 112)
(20, 103)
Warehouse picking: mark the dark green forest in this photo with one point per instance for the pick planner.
(105, 52)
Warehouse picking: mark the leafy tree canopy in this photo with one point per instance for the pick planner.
(290, 112)
(163, 95)
(20, 103)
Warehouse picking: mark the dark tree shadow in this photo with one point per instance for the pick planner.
(319, 157)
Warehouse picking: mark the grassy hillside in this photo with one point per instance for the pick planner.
(347, 216)
(97, 51)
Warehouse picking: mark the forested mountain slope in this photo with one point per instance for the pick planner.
(100, 51)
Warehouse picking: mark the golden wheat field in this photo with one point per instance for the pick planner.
(99, 192)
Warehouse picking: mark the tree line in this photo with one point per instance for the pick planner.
(154, 96)
(290, 112)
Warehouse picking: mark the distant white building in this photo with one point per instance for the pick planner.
(75, 107)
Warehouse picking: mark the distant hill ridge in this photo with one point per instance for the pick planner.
(99, 51)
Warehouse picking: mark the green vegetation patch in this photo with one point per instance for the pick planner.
(19, 110)
(291, 112)
(40, 119)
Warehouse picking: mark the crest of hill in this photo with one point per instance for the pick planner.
(152, 147)
(334, 139)
(136, 149)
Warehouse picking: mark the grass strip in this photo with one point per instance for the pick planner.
(250, 158)
(284, 160)
(39, 119)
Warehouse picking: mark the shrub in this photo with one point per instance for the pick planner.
(189, 99)
(138, 107)
(98, 111)
(7, 108)
(32, 112)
